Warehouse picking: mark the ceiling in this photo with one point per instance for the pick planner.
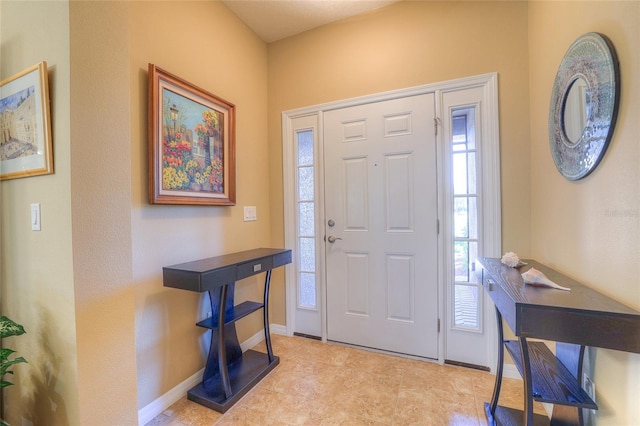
(273, 20)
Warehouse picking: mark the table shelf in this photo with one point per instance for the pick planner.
(574, 320)
(244, 373)
(238, 312)
(552, 382)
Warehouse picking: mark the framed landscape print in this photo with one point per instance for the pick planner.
(191, 143)
(25, 125)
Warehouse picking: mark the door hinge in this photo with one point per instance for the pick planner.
(438, 226)
(435, 125)
(438, 325)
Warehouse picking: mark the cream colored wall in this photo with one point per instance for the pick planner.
(99, 232)
(590, 229)
(36, 273)
(205, 44)
(102, 247)
(101, 214)
(403, 45)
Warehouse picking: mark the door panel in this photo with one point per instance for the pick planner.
(380, 189)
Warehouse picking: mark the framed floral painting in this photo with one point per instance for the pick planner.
(25, 125)
(191, 143)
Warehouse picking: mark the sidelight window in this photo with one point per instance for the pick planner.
(306, 220)
(464, 156)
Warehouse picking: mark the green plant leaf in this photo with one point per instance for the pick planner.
(6, 364)
(4, 384)
(10, 328)
(5, 353)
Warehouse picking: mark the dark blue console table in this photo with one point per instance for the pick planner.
(229, 374)
(574, 319)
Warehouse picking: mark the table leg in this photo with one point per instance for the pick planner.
(527, 382)
(222, 352)
(500, 365)
(265, 311)
(224, 339)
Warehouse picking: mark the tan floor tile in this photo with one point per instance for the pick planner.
(374, 362)
(331, 417)
(188, 413)
(433, 407)
(328, 384)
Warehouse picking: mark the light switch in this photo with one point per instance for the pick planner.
(250, 213)
(35, 217)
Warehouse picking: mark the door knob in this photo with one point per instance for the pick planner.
(332, 239)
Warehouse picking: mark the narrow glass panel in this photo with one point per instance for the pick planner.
(459, 133)
(307, 290)
(465, 217)
(456, 147)
(471, 128)
(471, 172)
(460, 173)
(466, 306)
(305, 148)
(461, 259)
(307, 255)
(306, 220)
(306, 213)
(460, 217)
(472, 213)
(305, 183)
(473, 255)
(459, 125)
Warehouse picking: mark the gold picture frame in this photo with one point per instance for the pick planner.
(191, 143)
(25, 124)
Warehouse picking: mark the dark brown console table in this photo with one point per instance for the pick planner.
(574, 319)
(229, 374)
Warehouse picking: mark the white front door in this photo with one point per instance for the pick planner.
(381, 225)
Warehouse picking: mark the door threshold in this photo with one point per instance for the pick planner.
(382, 351)
(467, 365)
(307, 336)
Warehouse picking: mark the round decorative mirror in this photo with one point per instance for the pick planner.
(584, 105)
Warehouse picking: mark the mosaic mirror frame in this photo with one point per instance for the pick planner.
(590, 62)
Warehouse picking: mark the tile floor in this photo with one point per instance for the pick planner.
(326, 384)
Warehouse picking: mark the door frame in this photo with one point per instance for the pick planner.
(491, 208)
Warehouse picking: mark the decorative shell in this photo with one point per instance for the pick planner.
(510, 259)
(536, 278)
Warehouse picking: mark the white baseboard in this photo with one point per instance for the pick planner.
(278, 329)
(160, 404)
(157, 406)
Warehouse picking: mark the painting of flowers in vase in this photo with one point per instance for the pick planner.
(191, 143)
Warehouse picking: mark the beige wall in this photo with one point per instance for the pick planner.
(590, 229)
(103, 246)
(404, 45)
(100, 202)
(102, 328)
(36, 274)
(209, 47)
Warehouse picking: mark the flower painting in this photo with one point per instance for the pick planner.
(191, 143)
